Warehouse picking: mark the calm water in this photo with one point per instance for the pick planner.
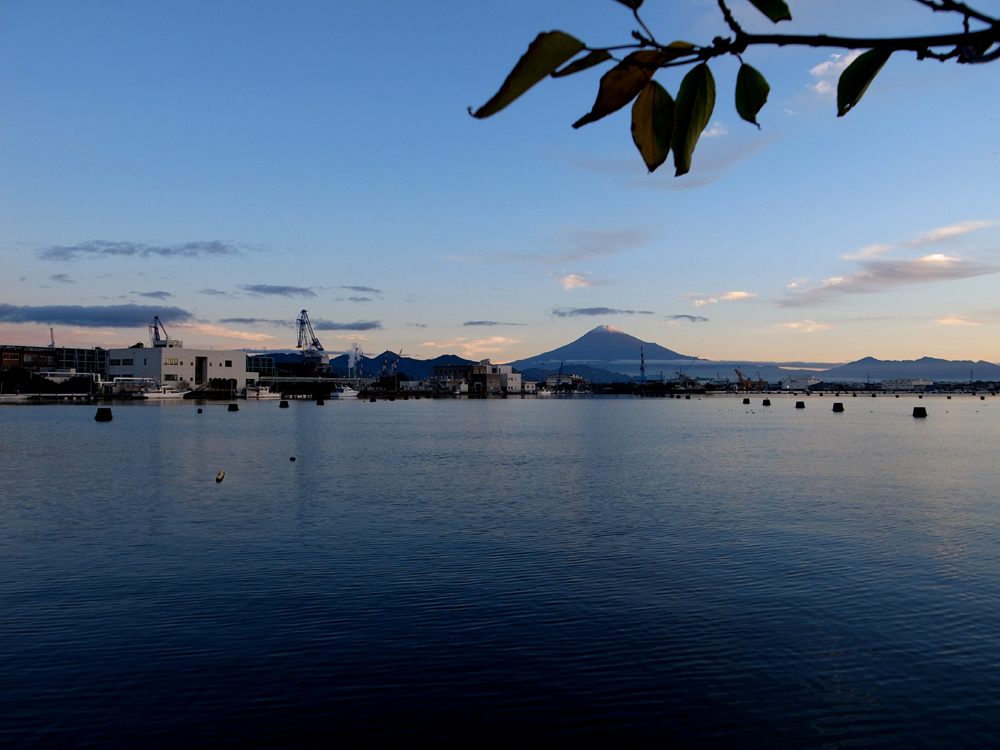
(642, 571)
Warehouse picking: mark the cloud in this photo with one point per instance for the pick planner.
(209, 330)
(934, 236)
(154, 295)
(575, 281)
(214, 293)
(279, 291)
(489, 323)
(259, 321)
(714, 130)
(93, 316)
(881, 275)
(575, 244)
(104, 249)
(360, 325)
(365, 289)
(417, 325)
(356, 299)
(829, 72)
(700, 300)
(958, 320)
(573, 312)
(804, 326)
(474, 347)
(689, 318)
(62, 278)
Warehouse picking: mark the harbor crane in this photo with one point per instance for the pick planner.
(156, 328)
(312, 350)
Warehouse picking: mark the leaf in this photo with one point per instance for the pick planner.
(776, 10)
(751, 93)
(594, 58)
(633, 4)
(544, 56)
(622, 83)
(855, 80)
(695, 102)
(653, 124)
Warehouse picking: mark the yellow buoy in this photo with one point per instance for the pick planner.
(220, 476)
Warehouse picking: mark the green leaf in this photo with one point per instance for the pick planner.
(776, 10)
(594, 58)
(633, 4)
(653, 124)
(695, 102)
(544, 56)
(751, 93)
(855, 80)
(622, 83)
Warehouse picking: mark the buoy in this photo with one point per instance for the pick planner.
(949, 398)
(372, 399)
(982, 398)
(199, 411)
(392, 398)
(919, 396)
(320, 402)
(688, 398)
(800, 404)
(283, 405)
(766, 402)
(103, 414)
(220, 476)
(292, 458)
(919, 411)
(838, 406)
(897, 395)
(854, 395)
(746, 401)
(873, 395)
(233, 407)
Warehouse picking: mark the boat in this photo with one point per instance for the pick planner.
(259, 393)
(164, 391)
(343, 391)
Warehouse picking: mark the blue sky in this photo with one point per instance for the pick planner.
(231, 163)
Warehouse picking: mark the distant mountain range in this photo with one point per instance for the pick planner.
(607, 355)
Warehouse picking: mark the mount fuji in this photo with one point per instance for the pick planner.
(603, 345)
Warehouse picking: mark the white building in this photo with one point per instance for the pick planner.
(799, 384)
(169, 363)
(906, 384)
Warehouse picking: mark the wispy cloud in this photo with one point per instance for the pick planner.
(572, 245)
(575, 281)
(881, 275)
(62, 278)
(154, 295)
(700, 300)
(105, 249)
(278, 291)
(356, 299)
(714, 130)
(488, 323)
(360, 325)
(210, 330)
(92, 316)
(573, 312)
(472, 348)
(214, 293)
(803, 326)
(417, 325)
(959, 320)
(362, 289)
(934, 236)
(259, 321)
(689, 318)
(828, 73)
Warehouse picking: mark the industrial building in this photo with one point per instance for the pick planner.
(44, 359)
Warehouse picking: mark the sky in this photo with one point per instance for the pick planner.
(225, 165)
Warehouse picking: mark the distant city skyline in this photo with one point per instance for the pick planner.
(226, 165)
